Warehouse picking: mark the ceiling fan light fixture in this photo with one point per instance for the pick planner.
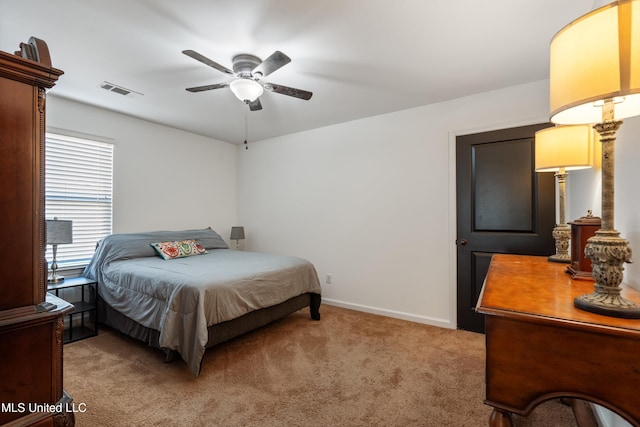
(247, 70)
(246, 90)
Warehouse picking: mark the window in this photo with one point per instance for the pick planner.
(78, 187)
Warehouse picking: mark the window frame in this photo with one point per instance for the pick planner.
(90, 208)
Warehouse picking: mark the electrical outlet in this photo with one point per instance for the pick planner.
(329, 278)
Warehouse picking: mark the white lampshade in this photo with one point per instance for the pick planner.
(570, 147)
(594, 58)
(246, 90)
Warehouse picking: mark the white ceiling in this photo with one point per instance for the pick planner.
(359, 57)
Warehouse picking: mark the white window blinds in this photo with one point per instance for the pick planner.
(78, 187)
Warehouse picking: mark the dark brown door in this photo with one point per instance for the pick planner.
(503, 206)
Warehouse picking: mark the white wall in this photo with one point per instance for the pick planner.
(164, 178)
(373, 201)
(627, 200)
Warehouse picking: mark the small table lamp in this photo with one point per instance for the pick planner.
(59, 232)
(595, 79)
(560, 149)
(237, 233)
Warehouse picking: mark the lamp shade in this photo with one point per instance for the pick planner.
(59, 232)
(569, 147)
(237, 233)
(246, 90)
(594, 58)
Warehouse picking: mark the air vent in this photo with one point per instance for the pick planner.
(119, 89)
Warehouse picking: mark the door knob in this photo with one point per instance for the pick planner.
(462, 242)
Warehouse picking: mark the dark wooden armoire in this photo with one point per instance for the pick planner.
(31, 321)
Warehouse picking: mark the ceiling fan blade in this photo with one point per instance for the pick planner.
(290, 91)
(271, 64)
(198, 57)
(255, 105)
(207, 87)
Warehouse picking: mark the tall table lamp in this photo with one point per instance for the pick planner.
(560, 149)
(595, 79)
(59, 232)
(237, 233)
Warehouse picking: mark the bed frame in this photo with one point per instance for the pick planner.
(218, 333)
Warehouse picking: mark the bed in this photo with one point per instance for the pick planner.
(186, 301)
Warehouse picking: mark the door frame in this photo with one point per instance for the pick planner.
(453, 231)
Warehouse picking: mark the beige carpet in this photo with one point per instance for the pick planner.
(349, 369)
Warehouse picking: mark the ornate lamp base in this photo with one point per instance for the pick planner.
(54, 277)
(562, 235)
(608, 252)
(608, 305)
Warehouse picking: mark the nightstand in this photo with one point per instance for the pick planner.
(82, 320)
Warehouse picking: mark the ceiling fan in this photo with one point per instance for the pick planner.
(248, 70)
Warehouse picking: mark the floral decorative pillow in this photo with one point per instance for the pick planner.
(178, 249)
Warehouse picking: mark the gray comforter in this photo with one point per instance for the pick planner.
(182, 297)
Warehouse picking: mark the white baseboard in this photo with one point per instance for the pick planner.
(391, 313)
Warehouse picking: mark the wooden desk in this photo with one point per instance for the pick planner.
(540, 347)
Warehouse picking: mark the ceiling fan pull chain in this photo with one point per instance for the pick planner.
(246, 131)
